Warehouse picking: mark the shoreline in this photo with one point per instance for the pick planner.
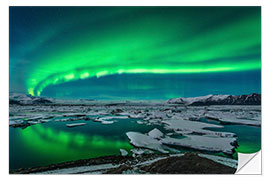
(188, 163)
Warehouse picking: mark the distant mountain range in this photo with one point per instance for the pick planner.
(27, 99)
(251, 99)
(21, 99)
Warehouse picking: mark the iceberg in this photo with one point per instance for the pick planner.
(123, 152)
(155, 133)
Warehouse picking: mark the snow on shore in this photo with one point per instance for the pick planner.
(93, 169)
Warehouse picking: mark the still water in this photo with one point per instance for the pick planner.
(53, 142)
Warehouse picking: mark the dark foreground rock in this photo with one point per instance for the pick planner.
(188, 164)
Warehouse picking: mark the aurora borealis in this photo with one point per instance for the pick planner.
(159, 52)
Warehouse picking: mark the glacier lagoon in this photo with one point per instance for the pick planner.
(53, 142)
(42, 138)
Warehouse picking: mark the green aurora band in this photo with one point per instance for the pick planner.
(145, 40)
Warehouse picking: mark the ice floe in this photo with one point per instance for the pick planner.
(123, 152)
(107, 122)
(142, 140)
(75, 124)
(234, 118)
(189, 127)
(15, 122)
(105, 118)
(140, 151)
(155, 133)
(206, 143)
(140, 122)
(155, 140)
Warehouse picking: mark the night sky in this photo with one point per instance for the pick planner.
(134, 52)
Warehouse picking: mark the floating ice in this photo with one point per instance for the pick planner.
(155, 133)
(107, 122)
(140, 122)
(75, 124)
(113, 117)
(188, 127)
(231, 118)
(16, 122)
(123, 152)
(141, 140)
(207, 143)
(139, 151)
(103, 120)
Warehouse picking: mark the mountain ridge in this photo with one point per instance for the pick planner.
(250, 99)
(23, 99)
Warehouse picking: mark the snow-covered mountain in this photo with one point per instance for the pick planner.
(251, 99)
(18, 98)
